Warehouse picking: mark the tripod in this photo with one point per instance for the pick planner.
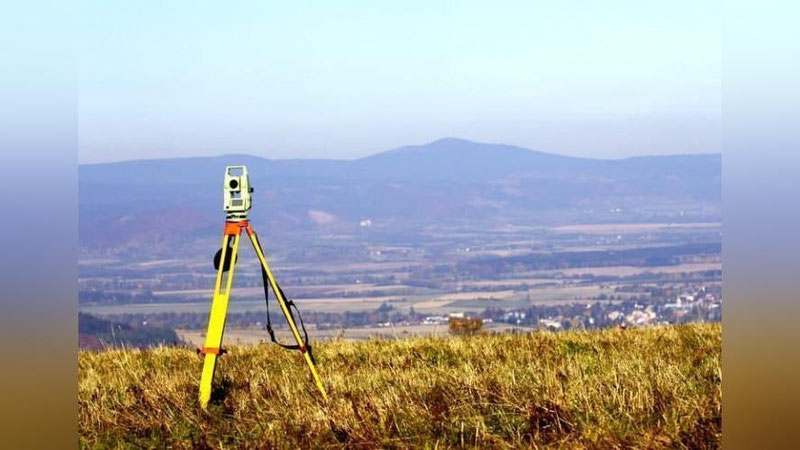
(219, 307)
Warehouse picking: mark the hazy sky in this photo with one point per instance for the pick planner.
(343, 79)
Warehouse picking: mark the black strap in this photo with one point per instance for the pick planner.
(289, 305)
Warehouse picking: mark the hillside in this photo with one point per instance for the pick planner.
(447, 182)
(97, 333)
(649, 387)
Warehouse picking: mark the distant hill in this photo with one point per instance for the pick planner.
(446, 182)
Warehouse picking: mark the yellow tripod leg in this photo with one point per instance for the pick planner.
(216, 320)
(285, 309)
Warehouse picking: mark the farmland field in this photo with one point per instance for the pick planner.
(423, 302)
(557, 270)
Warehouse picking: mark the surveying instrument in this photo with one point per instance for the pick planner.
(237, 202)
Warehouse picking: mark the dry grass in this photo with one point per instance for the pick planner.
(653, 387)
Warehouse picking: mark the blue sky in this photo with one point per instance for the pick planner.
(346, 79)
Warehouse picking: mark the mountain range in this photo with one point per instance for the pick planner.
(449, 182)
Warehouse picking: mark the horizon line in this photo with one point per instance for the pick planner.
(251, 155)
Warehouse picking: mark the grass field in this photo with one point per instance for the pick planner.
(646, 388)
